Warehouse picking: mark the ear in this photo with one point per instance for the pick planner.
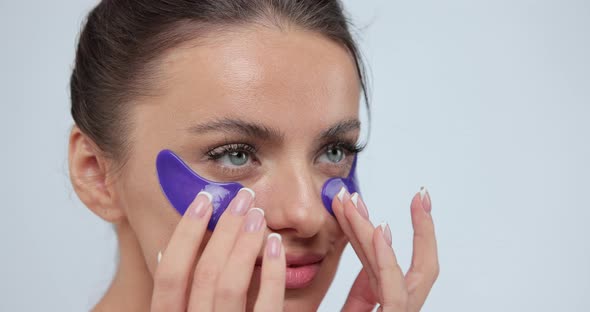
(90, 176)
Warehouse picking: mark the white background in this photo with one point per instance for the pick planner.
(484, 102)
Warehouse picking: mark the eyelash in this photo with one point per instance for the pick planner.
(349, 147)
(215, 154)
(218, 152)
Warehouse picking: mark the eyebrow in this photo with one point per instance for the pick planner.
(239, 126)
(340, 128)
(255, 130)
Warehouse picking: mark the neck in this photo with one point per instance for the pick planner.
(132, 285)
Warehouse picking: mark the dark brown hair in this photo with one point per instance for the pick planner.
(122, 38)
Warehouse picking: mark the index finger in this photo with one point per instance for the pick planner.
(175, 266)
(424, 269)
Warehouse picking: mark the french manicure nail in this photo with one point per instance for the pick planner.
(249, 191)
(273, 245)
(386, 232)
(241, 203)
(198, 207)
(343, 195)
(425, 199)
(254, 220)
(360, 205)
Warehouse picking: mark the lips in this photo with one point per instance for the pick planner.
(301, 269)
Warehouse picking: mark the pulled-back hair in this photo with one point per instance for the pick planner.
(121, 39)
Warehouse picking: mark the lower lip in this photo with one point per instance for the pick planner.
(301, 276)
(296, 277)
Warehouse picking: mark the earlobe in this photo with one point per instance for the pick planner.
(89, 175)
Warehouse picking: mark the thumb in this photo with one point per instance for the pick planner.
(360, 297)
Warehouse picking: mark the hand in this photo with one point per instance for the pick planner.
(381, 281)
(224, 267)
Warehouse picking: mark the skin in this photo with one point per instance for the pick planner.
(290, 87)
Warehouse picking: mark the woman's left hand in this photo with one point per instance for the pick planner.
(381, 281)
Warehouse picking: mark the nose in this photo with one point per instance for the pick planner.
(294, 201)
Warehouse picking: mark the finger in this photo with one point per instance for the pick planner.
(424, 269)
(217, 251)
(175, 266)
(393, 294)
(360, 298)
(355, 212)
(232, 285)
(271, 296)
(338, 204)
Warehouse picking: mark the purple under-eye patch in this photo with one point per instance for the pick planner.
(180, 184)
(334, 185)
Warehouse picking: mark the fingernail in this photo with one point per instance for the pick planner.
(159, 256)
(254, 220)
(240, 204)
(198, 207)
(273, 245)
(343, 195)
(425, 199)
(360, 205)
(386, 231)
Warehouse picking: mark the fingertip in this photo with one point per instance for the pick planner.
(422, 192)
(386, 232)
(422, 199)
(207, 194)
(384, 253)
(338, 201)
(275, 235)
(421, 219)
(341, 194)
(417, 204)
(249, 190)
(382, 238)
(425, 199)
(274, 245)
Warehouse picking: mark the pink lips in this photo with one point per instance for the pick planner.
(301, 276)
(301, 270)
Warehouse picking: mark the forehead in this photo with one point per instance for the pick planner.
(291, 79)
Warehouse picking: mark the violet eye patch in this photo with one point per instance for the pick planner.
(180, 184)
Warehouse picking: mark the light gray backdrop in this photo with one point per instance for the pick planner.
(485, 102)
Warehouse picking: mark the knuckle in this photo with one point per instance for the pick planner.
(168, 281)
(425, 234)
(435, 272)
(387, 268)
(205, 274)
(398, 302)
(430, 271)
(230, 291)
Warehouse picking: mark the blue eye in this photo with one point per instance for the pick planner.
(336, 153)
(333, 154)
(237, 158)
(232, 155)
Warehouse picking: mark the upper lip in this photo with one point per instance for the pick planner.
(295, 260)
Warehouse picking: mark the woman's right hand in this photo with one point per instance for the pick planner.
(219, 276)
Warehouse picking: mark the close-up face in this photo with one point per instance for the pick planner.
(275, 110)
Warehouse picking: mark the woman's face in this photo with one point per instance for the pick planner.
(277, 111)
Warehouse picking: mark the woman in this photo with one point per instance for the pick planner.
(262, 92)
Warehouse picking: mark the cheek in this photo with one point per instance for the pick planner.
(340, 239)
(338, 242)
(149, 215)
